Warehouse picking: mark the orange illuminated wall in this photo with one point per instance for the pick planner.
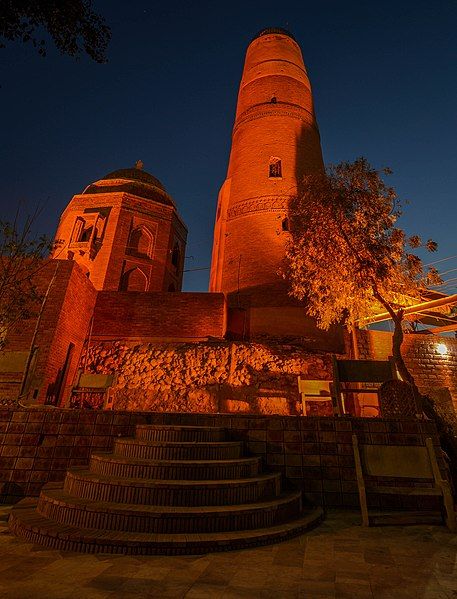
(275, 142)
(158, 317)
(430, 367)
(53, 336)
(126, 234)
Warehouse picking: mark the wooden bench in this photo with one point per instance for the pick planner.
(316, 391)
(412, 463)
(373, 372)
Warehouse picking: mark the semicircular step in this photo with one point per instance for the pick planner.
(162, 450)
(57, 505)
(27, 523)
(168, 432)
(154, 495)
(110, 464)
(89, 485)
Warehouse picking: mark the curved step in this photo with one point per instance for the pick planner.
(168, 432)
(57, 505)
(109, 464)
(89, 485)
(161, 450)
(27, 523)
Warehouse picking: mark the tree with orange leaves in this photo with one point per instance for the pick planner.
(346, 257)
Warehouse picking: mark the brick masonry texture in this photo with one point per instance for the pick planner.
(312, 454)
(274, 119)
(107, 259)
(430, 369)
(65, 319)
(147, 316)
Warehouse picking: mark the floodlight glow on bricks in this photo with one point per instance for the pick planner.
(441, 349)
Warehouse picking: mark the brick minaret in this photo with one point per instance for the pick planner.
(275, 142)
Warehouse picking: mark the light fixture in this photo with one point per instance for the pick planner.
(441, 348)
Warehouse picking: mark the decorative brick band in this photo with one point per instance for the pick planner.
(260, 204)
(266, 110)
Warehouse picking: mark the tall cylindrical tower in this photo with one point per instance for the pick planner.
(275, 142)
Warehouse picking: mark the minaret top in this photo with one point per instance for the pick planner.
(270, 30)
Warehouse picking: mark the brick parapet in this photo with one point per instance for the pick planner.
(157, 315)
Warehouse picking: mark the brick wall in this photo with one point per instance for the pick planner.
(161, 316)
(64, 319)
(314, 454)
(429, 368)
(72, 327)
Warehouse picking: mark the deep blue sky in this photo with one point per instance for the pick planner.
(384, 76)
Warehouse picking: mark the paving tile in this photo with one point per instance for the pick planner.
(352, 590)
(338, 559)
(202, 590)
(241, 592)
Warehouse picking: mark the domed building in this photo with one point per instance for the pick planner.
(125, 232)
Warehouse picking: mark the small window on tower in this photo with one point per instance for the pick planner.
(275, 168)
(285, 224)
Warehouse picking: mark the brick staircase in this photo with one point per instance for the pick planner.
(170, 490)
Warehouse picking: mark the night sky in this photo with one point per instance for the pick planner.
(384, 77)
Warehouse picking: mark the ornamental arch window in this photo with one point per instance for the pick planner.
(176, 256)
(140, 242)
(86, 234)
(82, 231)
(134, 280)
(85, 229)
(78, 228)
(275, 168)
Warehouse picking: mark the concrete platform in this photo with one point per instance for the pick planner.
(339, 559)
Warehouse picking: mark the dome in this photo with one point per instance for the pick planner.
(134, 181)
(270, 30)
(135, 174)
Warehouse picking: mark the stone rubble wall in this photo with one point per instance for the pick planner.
(207, 376)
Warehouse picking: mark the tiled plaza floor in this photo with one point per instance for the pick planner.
(338, 559)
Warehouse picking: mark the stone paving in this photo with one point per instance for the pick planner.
(340, 558)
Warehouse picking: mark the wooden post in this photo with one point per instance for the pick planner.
(360, 482)
(444, 485)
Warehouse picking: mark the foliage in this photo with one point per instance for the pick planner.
(72, 24)
(346, 257)
(21, 258)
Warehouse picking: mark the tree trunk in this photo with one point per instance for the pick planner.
(446, 430)
(397, 341)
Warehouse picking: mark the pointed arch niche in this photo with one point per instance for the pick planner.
(176, 256)
(134, 280)
(141, 242)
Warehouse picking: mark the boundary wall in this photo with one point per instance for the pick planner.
(312, 453)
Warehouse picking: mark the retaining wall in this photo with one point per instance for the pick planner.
(313, 453)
